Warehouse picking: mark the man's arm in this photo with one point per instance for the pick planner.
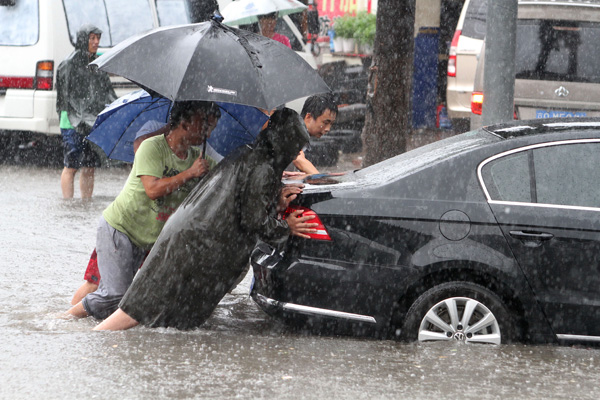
(304, 165)
(159, 187)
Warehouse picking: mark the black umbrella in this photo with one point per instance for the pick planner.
(211, 61)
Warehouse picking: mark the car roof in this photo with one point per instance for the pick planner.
(517, 129)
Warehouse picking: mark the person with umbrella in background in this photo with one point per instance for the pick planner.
(165, 169)
(267, 24)
(81, 94)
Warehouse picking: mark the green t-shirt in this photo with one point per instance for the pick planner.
(133, 212)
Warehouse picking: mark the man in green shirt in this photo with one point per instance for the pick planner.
(165, 169)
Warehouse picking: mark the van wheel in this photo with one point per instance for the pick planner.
(460, 311)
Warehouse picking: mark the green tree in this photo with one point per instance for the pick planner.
(388, 116)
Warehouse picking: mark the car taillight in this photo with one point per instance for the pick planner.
(16, 82)
(452, 54)
(321, 233)
(44, 73)
(476, 103)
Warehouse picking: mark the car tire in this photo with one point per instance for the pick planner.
(430, 317)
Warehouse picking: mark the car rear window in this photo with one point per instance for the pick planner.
(117, 19)
(19, 23)
(475, 19)
(558, 50)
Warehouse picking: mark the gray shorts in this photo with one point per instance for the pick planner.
(118, 262)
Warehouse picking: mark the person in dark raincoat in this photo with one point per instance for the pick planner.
(81, 94)
(206, 243)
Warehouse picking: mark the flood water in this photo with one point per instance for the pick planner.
(45, 243)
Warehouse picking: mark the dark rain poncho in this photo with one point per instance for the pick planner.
(82, 92)
(206, 243)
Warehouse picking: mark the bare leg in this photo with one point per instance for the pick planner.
(78, 311)
(118, 321)
(85, 288)
(66, 182)
(86, 182)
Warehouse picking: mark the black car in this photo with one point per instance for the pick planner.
(490, 236)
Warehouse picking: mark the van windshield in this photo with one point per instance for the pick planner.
(117, 19)
(19, 23)
(558, 50)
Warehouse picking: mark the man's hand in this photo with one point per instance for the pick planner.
(292, 174)
(287, 195)
(159, 187)
(199, 168)
(299, 226)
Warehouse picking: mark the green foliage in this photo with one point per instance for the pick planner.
(364, 28)
(344, 26)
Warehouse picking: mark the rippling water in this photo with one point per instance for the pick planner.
(238, 353)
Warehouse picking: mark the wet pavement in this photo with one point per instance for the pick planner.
(239, 352)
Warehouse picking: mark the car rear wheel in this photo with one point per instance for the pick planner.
(460, 311)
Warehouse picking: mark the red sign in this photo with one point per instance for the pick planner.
(336, 8)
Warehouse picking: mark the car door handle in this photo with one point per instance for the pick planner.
(531, 235)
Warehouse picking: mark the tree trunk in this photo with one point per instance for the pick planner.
(388, 116)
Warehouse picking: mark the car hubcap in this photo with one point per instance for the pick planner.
(461, 319)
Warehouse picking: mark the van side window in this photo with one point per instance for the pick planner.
(117, 19)
(19, 26)
(172, 12)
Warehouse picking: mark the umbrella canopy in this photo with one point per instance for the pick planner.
(247, 11)
(211, 61)
(116, 127)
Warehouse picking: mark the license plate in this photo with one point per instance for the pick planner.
(559, 114)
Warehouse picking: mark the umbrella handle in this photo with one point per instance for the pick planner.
(204, 150)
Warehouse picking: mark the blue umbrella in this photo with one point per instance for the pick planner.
(116, 126)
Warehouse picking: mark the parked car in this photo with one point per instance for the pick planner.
(462, 61)
(35, 36)
(555, 64)
(490, 236)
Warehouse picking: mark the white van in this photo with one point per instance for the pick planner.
(36, 35)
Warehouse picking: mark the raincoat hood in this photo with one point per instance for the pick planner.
(206, 243)
(283, 138)
(82, 92)
(83, 37)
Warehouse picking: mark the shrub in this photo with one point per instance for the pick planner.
(344, 26)
(364, 28)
